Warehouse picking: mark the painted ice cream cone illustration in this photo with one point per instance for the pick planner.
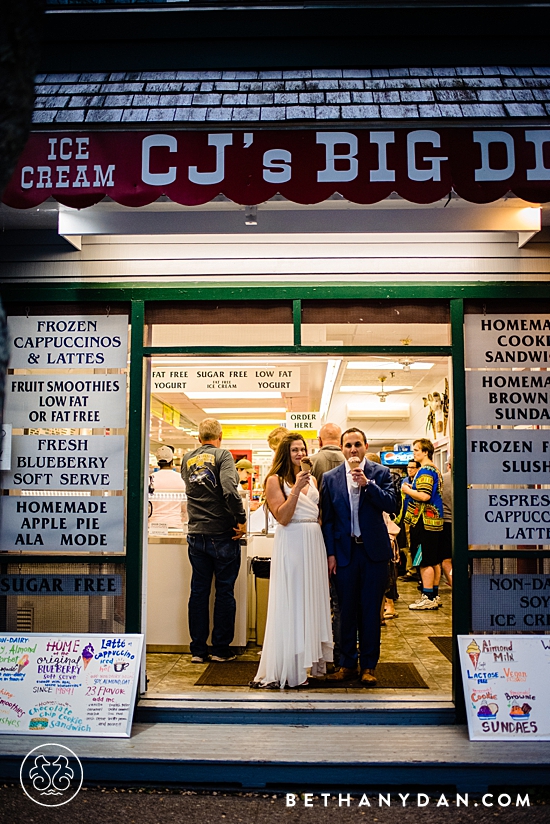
(473, 652)
(306, 465)
(87, 655)
(22, 663)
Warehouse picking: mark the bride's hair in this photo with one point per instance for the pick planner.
(282, 465)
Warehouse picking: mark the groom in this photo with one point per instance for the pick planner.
(354, 499)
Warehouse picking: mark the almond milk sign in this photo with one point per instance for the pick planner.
(364, 166)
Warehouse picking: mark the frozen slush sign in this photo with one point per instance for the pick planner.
(364, 166)
(44, 342)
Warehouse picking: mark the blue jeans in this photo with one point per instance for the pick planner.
(218, 556)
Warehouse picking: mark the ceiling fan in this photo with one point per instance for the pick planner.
(383, 393)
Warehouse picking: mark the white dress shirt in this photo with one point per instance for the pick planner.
(353, 493)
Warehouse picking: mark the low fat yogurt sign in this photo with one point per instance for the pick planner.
(225, 379)
(52, 342)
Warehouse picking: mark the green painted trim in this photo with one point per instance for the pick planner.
(461, 583)
(297, 321)
(135, 472)
(409, 290)
(325, 349)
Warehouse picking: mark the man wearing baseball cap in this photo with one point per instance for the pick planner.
(173, 513)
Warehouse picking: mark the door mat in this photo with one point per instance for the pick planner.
(390, 676)
(444, 643)
(240, 673)
(228, 674)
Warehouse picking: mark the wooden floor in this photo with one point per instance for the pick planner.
(248, 756)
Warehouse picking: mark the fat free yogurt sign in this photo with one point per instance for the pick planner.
(307, 166)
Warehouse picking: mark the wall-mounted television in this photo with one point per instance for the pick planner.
(396, 458)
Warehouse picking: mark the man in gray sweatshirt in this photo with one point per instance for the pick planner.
(217, 522)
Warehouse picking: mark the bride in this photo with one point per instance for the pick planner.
(298, 633)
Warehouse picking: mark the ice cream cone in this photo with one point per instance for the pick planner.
(473, 651)
(86, 661)
(306, 465)
(354, 463)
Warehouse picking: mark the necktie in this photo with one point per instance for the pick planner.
(355, 528)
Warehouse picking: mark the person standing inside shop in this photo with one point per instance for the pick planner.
(355, 496)
(217, 522)
(423, 509)
(330, 455)
(173, 513)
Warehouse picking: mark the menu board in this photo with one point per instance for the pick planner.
(78, 685)
(505, 680)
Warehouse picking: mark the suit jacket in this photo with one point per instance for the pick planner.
(374, 499)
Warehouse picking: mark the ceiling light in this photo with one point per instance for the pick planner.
(233, 395)
(373, 390)
(333, 367)
(390, 365)
(242, 410)
(250, 421)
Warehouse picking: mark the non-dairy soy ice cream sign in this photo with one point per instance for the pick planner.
(68, 685)
(505, 680)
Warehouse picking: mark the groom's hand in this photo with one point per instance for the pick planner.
(331, 565)
(359, 477)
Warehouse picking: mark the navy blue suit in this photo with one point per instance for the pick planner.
(361, 569)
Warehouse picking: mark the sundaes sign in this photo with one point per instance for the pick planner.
(421, 165)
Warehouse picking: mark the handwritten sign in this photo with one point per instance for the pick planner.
(505, 680)
(66, 462)
(76, 401)
(78, 685)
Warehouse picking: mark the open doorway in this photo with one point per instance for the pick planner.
(393, 399)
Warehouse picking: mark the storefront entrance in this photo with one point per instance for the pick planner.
(381, 366)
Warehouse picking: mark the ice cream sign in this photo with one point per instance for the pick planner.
(192, 381)
(505, 680)
(68, 684)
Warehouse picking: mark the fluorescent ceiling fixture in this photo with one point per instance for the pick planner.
(393, 365)
(333, 367)
(374, 390)
(379, 411)
(233, 395)
(250, 421)
(243, 410)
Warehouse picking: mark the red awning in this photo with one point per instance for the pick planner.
(364, 166)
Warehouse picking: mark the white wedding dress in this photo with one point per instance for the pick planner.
(298, 633)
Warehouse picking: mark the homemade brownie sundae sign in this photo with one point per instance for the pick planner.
(505, 680)
(508, 385)
(307, 166)
(77, 685)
